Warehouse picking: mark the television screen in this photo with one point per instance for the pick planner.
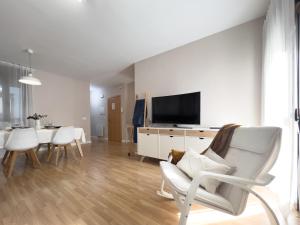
(177, 109)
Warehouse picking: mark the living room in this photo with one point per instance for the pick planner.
(139, 112)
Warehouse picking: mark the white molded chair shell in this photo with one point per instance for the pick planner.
(63, 136)
(22, 139)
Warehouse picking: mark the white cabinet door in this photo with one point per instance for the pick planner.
(148, 145)
(168, 142)
(199, 144)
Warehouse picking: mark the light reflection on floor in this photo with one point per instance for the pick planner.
(207, 216)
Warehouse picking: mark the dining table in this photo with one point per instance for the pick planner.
(45, 137)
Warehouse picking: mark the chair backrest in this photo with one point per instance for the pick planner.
(22, 139)
(253, 151)
(63, 136)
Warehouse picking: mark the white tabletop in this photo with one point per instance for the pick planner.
(44, 135)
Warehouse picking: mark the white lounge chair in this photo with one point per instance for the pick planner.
(253, 151)
(62, 139)
(20, 141)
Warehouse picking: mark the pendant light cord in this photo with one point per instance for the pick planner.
(29, 59)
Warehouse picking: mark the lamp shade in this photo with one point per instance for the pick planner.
(30, 80)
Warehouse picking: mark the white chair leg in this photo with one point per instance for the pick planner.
(164, 193)
(184, 212)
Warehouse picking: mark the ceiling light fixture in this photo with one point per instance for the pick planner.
(30, 79)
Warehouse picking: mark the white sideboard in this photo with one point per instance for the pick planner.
(157, 142)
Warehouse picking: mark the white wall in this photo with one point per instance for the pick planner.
(63, 99)
(225, 67)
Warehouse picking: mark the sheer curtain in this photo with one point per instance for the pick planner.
(15, 98)
(278, 92)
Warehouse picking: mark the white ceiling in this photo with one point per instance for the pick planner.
(99, 38)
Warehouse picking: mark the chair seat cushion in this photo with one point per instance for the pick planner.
(181, 183)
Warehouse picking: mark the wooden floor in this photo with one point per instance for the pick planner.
(105, 187)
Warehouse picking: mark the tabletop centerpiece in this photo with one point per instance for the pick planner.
(36, 117)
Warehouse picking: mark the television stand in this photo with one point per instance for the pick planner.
(157, 142)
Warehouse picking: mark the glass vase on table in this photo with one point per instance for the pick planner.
(38, 124)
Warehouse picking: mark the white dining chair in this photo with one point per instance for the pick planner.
(253, 150)
(20, 141)
(62, 139)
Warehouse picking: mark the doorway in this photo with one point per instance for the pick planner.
(114, 119)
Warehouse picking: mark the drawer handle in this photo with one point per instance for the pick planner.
(201, 138)
(171, 136)
(148, 129)
(148, 134)
(171, 130)
(201, 130)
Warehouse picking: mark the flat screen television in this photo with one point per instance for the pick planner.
(177, 109)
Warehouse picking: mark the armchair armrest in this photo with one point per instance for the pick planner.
(234, 180)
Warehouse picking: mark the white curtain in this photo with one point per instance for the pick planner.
(15, 98)
(278, 92)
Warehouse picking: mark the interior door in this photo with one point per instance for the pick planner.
(114, 119)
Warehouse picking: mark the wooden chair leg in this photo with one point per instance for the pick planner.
(50, 153)
(38, 148)
(57, 155)
(27, 155)
(66, 152)
(35, 161)
(5, 157)
(73, 152)
(49, 147)
(7, 163)
(79, 147)
(11, 163)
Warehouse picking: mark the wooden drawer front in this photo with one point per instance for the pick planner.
(148, 131)
(148, 145)
(201, 133)
(171, 132)
(167, 143)
(198, 144)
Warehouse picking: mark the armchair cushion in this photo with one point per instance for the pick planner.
(192, 162)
